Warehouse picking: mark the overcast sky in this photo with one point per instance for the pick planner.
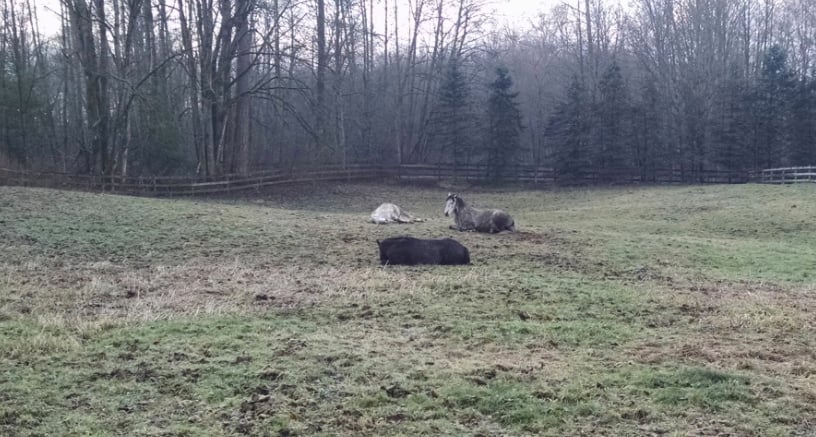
(520, 12)
(516, 13)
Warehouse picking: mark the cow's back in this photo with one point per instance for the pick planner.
(413, 251)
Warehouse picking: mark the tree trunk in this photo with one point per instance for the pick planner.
(103, 123)
(244, 64)
(95, 86)
(194, 90)
(320, 87)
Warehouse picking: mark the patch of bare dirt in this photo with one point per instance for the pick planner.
(257, 408)
(555, 260)
(715, 428)
(532, 237)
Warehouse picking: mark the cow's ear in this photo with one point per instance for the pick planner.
(378, 242)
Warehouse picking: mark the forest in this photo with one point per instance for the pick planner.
(213, 87)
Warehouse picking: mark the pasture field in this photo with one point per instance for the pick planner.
(614, 311)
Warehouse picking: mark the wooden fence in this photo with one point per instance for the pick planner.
(788, 175)
(548, 176)
(474, 173)
(541, 176)
(182, 186)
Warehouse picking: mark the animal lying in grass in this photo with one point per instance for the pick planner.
(412, 251)
(480, 220)
(391, 213)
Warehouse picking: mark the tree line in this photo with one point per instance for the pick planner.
(209, 87)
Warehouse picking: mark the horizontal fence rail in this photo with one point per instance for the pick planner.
(545, 175)
(788, 175)
(180, 186)
(542, 176)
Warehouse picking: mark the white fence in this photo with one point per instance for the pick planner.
(788, 175)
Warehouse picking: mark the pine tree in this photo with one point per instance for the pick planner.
(504, 125)
(730, 125)
(452, 121)
(613, 115)
(649, 149)
(771, 104)
(568, 132)
(803, 124)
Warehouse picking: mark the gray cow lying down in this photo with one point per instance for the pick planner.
(391, 213)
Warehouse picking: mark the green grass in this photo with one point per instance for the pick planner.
(625, 311)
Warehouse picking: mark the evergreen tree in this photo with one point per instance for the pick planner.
(649, 149)
(568, 132)
(771, 109)
(730, 125)
(504, 125)
(802, 149)
(613, 116)
(23, 112)
(452, 121)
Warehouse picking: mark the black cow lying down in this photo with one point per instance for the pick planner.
(411, 251)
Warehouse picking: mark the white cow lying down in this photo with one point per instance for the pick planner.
(390, 213)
